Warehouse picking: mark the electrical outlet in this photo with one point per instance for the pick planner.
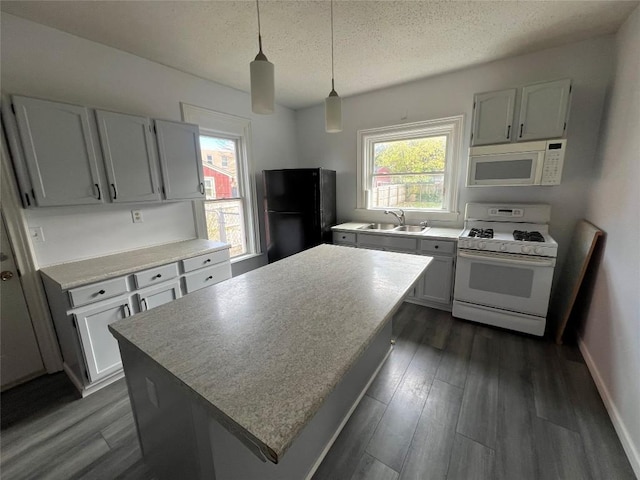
(37, 235)
(137, 216)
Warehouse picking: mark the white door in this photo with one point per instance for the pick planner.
(21, 358)
(436, 283)
(129, 157)
(543, 110)
(59, 152)
(493, 117)
(180, 160)
(156, 296)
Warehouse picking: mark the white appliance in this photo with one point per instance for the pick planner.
(505, 266)
(517, 164)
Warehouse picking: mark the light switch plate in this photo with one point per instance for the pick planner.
(137, 217)
(37, 235)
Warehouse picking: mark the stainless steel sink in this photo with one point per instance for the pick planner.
(379, 226)
(409, 228)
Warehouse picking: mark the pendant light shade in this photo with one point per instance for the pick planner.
(262, 84)
(333, 113)
(333, 103)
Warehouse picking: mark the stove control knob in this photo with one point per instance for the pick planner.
(538, 250)
(526, 249)
(482, 245)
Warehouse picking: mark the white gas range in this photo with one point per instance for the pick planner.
(505, 266)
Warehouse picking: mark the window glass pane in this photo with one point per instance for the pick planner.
(220, 165)
(417, 155)
(408, 191)
(225, 224)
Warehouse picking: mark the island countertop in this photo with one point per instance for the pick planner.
(81, 272)
(262, 351)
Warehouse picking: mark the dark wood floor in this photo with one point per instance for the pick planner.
(455, 400)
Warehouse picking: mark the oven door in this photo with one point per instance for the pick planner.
(518, 283)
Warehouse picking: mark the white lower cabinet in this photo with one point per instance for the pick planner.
(435, 288)
(82, 314)
(156, 296)
(435, 285)
(100, 348)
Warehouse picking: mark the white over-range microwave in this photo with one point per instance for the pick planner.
(517, 164)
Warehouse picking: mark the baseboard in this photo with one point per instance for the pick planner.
(633, 454)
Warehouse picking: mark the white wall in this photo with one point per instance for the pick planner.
(588, 64)
(43, 62)
(611, 333)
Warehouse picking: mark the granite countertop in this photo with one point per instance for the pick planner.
(442, 233)
(265, 349)
(83, 272)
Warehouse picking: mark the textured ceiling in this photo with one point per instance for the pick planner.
(377, 43)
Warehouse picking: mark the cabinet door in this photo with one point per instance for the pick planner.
(156, 296)
(180, 160)
(436, 282)
(59, 152)
(543, 110)
(493, 117)
(100, 348)
(129, 158)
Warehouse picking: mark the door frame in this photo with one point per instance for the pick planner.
(18, 233)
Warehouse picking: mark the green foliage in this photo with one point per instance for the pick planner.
(404, 156)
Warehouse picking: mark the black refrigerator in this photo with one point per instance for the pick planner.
(300, 209)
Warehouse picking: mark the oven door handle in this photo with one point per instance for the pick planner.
(534, 262)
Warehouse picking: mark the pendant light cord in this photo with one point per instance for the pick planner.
(332, 75)
(259, 35)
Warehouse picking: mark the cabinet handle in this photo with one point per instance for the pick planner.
(202, 188)
(101, 292)
(115, 192)
(127, 311)
(158, 276)
(209, 278)
(508, 132)
(99, 193)
(143, 302)
(521, 127)
(207, 260)
(436, 247)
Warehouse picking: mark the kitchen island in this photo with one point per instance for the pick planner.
(255, 377)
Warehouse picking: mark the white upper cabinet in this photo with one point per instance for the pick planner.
(59, 152)
(129, 157)
(493, 117)
(543, 110)
(180, 160)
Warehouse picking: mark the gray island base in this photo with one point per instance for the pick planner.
(255, 377)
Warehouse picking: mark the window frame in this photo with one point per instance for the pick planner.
(451, 127)
(224, 125)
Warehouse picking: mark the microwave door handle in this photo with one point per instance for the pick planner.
(507, 260)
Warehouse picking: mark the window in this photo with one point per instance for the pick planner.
(227, 214)
(411, 166)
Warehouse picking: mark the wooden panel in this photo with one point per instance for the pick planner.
(455, 358)
(581, 246)
(543, 110)
(371, 469)
(493, 117)
(471, 461)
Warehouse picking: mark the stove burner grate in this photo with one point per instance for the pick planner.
(528, 236)
(481, 232)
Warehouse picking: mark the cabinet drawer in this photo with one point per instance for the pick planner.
(97, 291)
(437, 246)
(156, 275)
(207, 277)
(206, 260)
(344, 237)
(401, 244)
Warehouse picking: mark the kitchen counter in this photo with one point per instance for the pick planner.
(436, 233)
(263, 351)
(73, 274)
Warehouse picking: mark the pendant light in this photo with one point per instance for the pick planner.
(333, 103)
(262, 84)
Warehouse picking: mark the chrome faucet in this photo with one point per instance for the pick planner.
(400, 216)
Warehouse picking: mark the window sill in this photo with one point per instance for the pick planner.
(246, 256)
